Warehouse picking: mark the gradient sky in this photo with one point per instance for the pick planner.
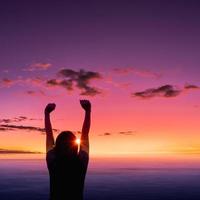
(137, 61)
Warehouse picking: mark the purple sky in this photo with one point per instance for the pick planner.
(101, 34)
(128, 46)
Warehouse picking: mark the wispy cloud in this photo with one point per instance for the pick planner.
(38, 66)
(105, 134)
(10, 151)
(81, 79)
(137, 72)
(35, 93)
(29, 128)
(6, 82)
(5, 71)
(125, 133)
(16, 119)
(33, 81)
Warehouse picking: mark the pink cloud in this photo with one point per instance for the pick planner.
(5, 82)
(137, 72)
(38, 66)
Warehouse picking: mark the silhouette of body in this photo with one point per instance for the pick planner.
(67, 166)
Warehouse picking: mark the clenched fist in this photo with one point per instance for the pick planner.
(50, 107)
(86, 105)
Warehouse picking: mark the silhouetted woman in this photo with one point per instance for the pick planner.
(67, 166)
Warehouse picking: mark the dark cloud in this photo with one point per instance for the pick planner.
(29, 128)
(5, 129)
(105, 134)
(190, 86)
(80, 79)
(163, 91)
(9, 151)
(121, 133)
(5, 82)
(22, 118)
(126, 132)
(30, 92)
(33, 119)
(69, 73)
(67, 84)
(52, 82)
(6, 121)
(90, 91)
(15, 119)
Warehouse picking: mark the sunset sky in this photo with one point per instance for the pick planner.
(138, 62)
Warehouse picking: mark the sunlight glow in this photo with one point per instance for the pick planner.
(78, 141)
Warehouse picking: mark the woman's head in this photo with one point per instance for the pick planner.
(66, 144)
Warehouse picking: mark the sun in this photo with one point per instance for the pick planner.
(78, 141)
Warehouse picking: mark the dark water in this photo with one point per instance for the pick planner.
(28, 180)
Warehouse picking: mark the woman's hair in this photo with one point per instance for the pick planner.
(66, 142)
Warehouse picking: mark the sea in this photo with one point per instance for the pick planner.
(108, 178)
